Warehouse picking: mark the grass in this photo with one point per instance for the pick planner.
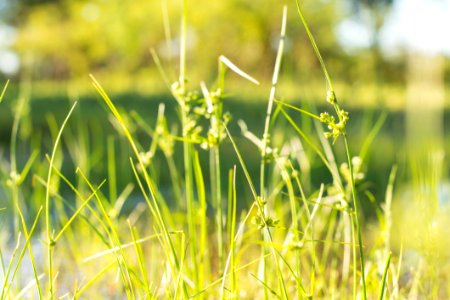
(210, 230)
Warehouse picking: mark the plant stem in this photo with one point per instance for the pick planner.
(314, 45)
(182, 78)
(357, 221)
(47, 203)
(217, 198)
(189, 186)
(265, 140)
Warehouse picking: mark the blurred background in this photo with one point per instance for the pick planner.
(373, 48)
(385, 57)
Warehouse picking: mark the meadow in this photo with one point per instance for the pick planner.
(201, 193)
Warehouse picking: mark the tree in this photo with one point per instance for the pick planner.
(73, 38)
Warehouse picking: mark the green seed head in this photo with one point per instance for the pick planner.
(331, 97)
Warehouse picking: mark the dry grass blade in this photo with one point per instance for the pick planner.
(237, 70)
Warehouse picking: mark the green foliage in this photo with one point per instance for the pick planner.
(71, 38)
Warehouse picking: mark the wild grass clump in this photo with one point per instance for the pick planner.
(200, 235)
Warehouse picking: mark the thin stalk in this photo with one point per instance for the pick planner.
(331, 168)
(265, 138)
(298, 109)
(336, 107)
(174, 177)
(13, 151)
(24, 96)
(276, 71)
(385, 274)
(215, 108)
(72, 208)
(203, 242)
(217, 281)
(182, 78)
(355, 281)
(166, 24)
(125, 246)
(27, 245)
(190, 205)
(48, 224)
(231, 223)
(357, 221)
(233, 231)
(30, 249)
(217, 197)
(371, 136)
(4, 90)
(112, 170)
(314, 45)
(161, 132)
(94, 279)
(309, 226)
(85, 202)
(331, 160)
(153, 204)
(187, 146)
(214, 162)
(114, 239)
(294, 222)
(349, 238)
(163, 227)
(14, 253)
(140, 256)
(267, 234)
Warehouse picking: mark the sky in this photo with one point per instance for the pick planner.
(418, 25)
(423, 25)
(9, 61)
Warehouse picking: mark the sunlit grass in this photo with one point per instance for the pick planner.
(210, 232)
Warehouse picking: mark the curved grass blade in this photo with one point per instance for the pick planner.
(4, 91)
(47, 201)
(385, 273)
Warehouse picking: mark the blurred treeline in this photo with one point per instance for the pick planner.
(65, 40)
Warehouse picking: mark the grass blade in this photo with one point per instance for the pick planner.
(47, 201)
(237, 70)
(385, 274)
(4, 91)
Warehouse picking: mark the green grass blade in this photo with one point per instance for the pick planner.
(203, 220)
(150, 184)
(276, 71)
(316, 149)
(217, 281)
(182, 78)
(47, 201)
(266, 286)
(4, 91)
(94, 279)
(261, 211)
(140, 256)
(384, 279)
(77, 212)
(22, 253)
(30, 248)
(357, 220)
(114, 239)
(314, 45)
(4, 294)
(371, 136)
(231, 222)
